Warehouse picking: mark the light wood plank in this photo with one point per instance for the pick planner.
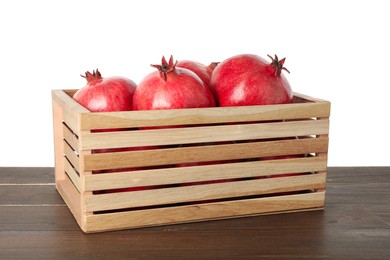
(106, 120)
(71, 139)
(65, 99)
(203, 192)
(58, 133)
(71, 156)
(217, 210)
(187, 135)
(72, 175)
(71, 197)
(203, 173)
(203, 153)
(83, 174)
(71, 109)
(309, 98)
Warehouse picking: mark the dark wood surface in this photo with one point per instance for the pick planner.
(36, 224)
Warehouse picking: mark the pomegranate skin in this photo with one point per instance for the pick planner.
(248, 79)
(172, 89)
(106, 94)
(204, 72)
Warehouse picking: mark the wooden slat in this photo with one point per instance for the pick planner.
(58, 133)
(72, 175)
(106, 120)
(72, 199)
(203, 173)
(203, 192)
(187, 135)
(322, 154)
(63, 97)
(203, 153)
(71, 109)
(71, 139)
(83, 174)
(309, 98)
(207, 211)
(71, 156)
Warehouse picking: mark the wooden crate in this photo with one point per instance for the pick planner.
(242, 154)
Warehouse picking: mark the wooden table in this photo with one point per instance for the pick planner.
(36, 224)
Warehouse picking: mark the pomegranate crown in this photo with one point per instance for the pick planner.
(165, 67)
(212, 66)
(278, 64)
(92, 76)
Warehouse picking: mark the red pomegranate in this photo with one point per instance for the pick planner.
(204, 72)
(248, 79)
(171, 87)
(105, 94)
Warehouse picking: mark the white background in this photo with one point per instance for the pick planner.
(336, 50)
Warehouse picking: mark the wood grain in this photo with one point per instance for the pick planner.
(204, 134)
(80, 119)
(71, 110)
(71, 138)
(27, 175)
(29, 194)
(176, 175)
(182, 214)
(58, 117)
(207, 244)
(203, 192)
(71, 156)
(157, 157)
(73, 175)
(72, 198)
(348, 228)
(198, 116)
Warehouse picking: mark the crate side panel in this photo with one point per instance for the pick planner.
(309, 98)
(209, 211)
